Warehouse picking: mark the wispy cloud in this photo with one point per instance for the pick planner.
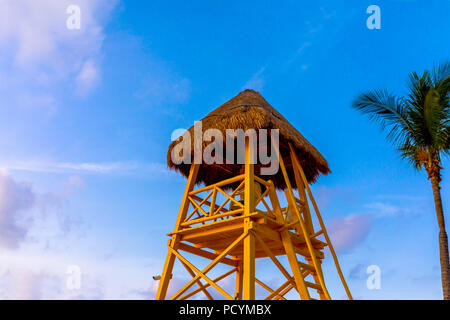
(88, 77)
(256, 82)
(38, 50)
(299, 52)
(163, 87)
(348, 232)
(357, 272)
(383, 209)
(327, 14)
(15, 199)
(27, 215)
(120, 167)
(32, 274)
(34, 258)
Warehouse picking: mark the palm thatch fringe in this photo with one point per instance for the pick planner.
(249, 110)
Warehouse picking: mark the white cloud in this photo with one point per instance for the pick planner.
(33, 276)
(15, 199)
(88, 77)
(95, 167)
(73, 184)
(37, 274)
(27, 216)
(25, 285)
(327, 14)
(256, 82)
(153, 169)
(381, 209)
(39, 50)
(299, 52)
(357, 272)
(350, 231)
(164, 88)
(43, 102)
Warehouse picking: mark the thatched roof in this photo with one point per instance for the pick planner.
(249, 110)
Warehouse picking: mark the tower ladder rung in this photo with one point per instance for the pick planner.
(318, 233)
(313, 285)
(307, 266)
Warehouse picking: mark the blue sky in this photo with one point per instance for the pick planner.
(86, 117)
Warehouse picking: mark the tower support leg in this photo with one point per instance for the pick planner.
(289, 248)
(249, 266)
(299, 168)
(173, 243)
(239, 281)
(249, 207)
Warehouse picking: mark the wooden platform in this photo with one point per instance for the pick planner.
(218, 235)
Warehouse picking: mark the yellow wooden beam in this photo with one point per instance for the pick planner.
(249, 207)
(212, 205)
(279, 289)
(228, 199)
(207, 203)
(205, 254)
(201, 274)
(265, 286)
(199, 283)
(289, 248)
(218, 184)
(202, 201)
(303, 200)
(209, 266)
(249, 267)
(170, 259)
(239, 281)
(286, 290)
(190, 294)
(272, 257)
(304, 229)
(197, 206)
(209, 218)
(322, 225)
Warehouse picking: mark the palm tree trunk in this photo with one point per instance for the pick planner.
(443, 241)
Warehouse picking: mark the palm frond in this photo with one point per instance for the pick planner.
(441, 73)
(427, 111)
(388, 110)
(416, 156)
(418, 124)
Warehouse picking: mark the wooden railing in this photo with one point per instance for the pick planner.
(206, 209)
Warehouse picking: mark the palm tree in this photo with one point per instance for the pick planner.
(419, 127)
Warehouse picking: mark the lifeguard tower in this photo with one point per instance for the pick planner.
(235, 215)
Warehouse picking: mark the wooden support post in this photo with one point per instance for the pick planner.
(249, 180)
(277, 291)
(288, 247)
(200, 284)
(213, 202)
(170, 259)
(265, 286)
(211, 265)
(190, 294)
(239, 281)
(249, 207)
(249, 266)
(302, 196)
(316, 278)
(298, 167)
(306, 235)
(196, 278)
